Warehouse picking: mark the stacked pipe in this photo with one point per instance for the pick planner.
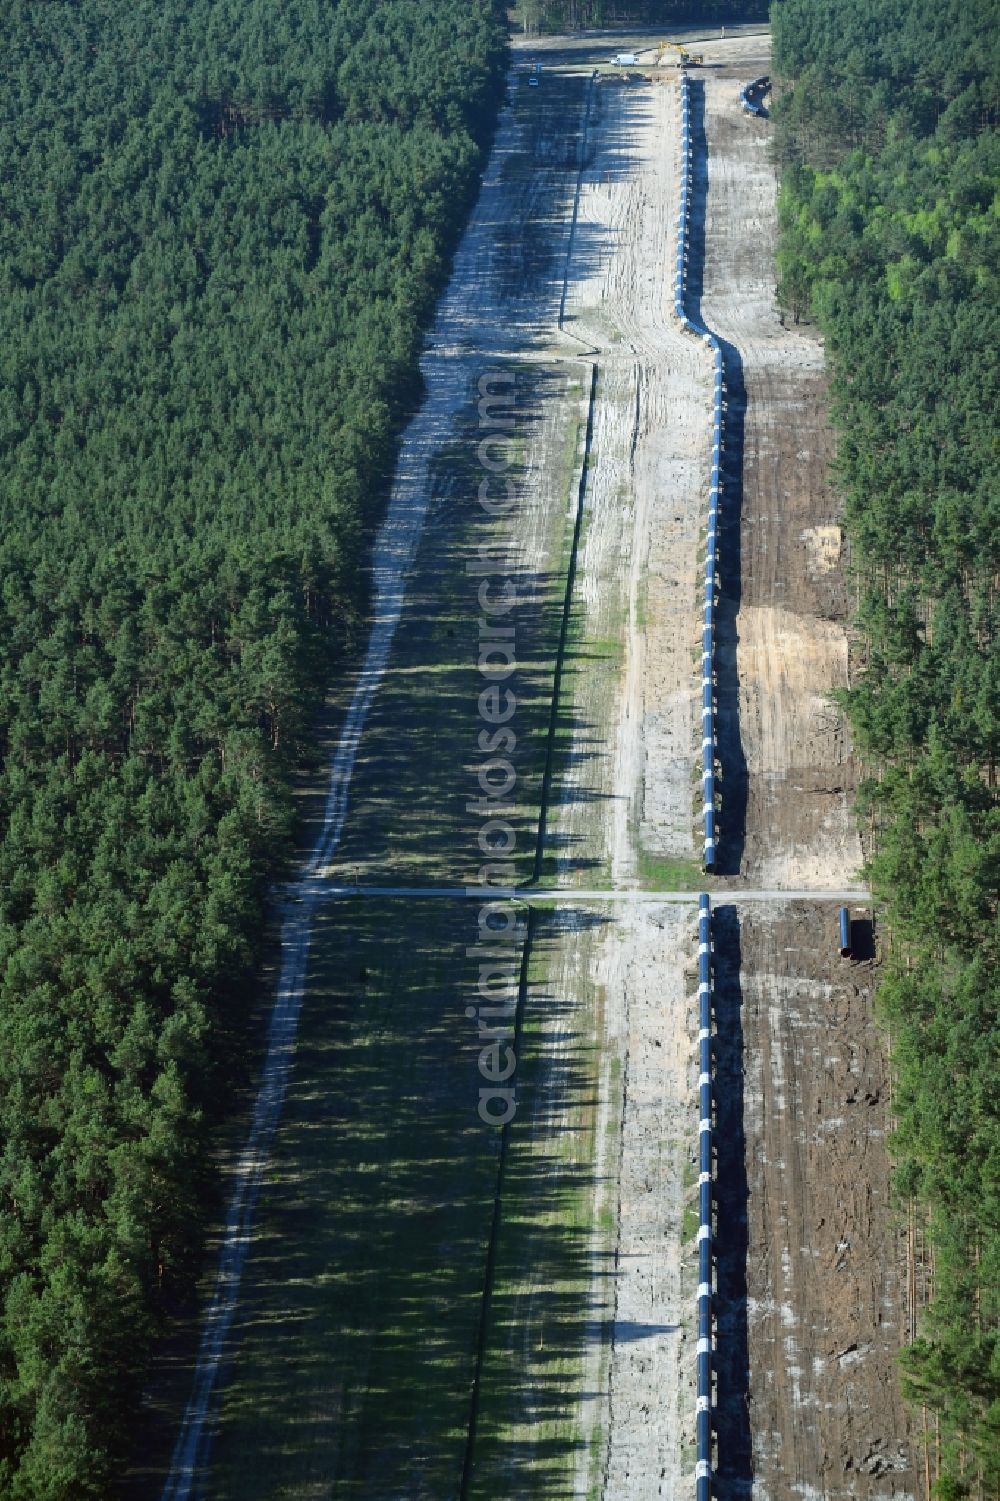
(708, 726)
(752, 95)
(703, 1471)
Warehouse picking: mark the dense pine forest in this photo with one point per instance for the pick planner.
(889, 212)
(572, 15)
(223, 225)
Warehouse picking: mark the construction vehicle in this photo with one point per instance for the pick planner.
(684, 58)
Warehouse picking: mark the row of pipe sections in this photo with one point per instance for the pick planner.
(706, 1345)
(708, 726)
(752, 96)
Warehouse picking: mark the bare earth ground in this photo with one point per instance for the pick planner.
(825, 1300)
(823, 1258)
(792, 643)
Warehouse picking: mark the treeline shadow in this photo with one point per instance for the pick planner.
(538, 249)
(417, 807)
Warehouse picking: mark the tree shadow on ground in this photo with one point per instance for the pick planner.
(541, 1312)
(418, 803)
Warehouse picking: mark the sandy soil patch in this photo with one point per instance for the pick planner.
(823, 545)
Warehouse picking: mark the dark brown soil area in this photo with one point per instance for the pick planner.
(805, 1215)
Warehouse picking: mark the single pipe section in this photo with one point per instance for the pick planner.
(752, 96)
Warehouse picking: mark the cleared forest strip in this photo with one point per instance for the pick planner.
(388, 1437)
(625, 788)
(553, 1419)
(333, 1391)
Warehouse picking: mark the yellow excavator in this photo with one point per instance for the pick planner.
(684, 58)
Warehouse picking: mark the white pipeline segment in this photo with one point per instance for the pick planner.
(706, 1328)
